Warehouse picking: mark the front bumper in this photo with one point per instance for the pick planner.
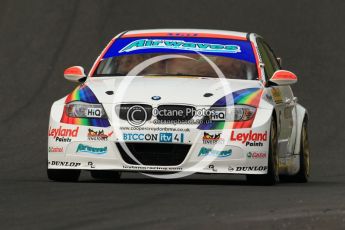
(235, 151)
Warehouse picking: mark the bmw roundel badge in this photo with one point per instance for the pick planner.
(156, 98)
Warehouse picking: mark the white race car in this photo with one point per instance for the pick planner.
(172, 102)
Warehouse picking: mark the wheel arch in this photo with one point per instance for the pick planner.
(302, 114)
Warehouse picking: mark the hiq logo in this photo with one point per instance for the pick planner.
(165, 137)
(94, 112)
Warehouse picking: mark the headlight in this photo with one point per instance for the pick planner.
(85, 110)
(233, 113)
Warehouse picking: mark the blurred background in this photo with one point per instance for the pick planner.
(40, 38)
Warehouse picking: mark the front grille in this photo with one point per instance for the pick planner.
(175, 112)
(155, 154)
(134, 111)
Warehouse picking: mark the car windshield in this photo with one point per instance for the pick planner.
(171, 58)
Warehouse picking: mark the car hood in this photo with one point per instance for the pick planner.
(182, 90)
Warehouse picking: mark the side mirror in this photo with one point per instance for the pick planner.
(75, 74)
(283, 77)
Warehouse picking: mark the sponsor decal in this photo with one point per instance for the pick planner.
(63, 135)
(230, 169)
(91, 164)
(55, 149)
(93, 150)
(249, 139)
(212, 139)
(238, 49)
(183, 34)
(180, 45)
(213, 168)
(170, 137)
(165, 137)
(251, 168)
(64, 163)
(156, 129)
(256, 155)
(141, 167)
(155, 137)
(94, 112)
(140, 137)
(98, 135)
(211, 152)
(276, 94)
(217, 115)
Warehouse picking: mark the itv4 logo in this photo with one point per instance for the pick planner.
(169, 137)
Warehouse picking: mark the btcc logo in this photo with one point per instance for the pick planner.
(161, 137)
(140, 137)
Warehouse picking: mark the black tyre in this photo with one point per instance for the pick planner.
(63, 175)
(272, 176)
(106, 175)
(304, 172)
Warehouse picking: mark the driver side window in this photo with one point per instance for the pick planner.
(268, 57)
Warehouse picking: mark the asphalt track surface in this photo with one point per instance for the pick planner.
(38, 39)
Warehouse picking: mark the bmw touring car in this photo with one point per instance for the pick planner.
(173, 102)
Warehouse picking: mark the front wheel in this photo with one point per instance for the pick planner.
(63, 175)
(272, 176)
(304, 171)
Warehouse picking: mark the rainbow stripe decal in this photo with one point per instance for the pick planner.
(250, 96)
(84, 94)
